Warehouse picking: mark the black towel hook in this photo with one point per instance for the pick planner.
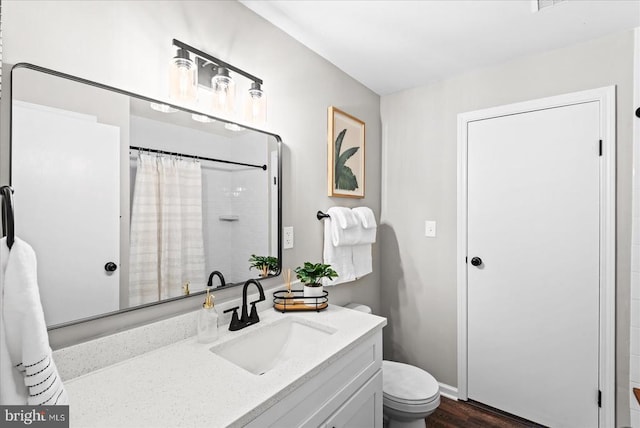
(7, 214)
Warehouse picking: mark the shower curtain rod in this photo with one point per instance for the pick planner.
(184, 155)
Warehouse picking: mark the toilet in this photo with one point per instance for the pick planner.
(409, 394)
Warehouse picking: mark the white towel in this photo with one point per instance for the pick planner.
(366, 216)
(345, 226)
(362, 260)
(340, 258)
(367, 220)
(25, 333)
(12, 388)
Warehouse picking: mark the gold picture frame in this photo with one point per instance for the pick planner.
(345, 155)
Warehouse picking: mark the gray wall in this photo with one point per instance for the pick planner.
(127, 44)
(419, 168)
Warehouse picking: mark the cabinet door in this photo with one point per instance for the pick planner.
(362, 410)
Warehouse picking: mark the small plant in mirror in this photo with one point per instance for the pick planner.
(310, 274)
(265, 264)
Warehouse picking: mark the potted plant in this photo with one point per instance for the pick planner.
(265, 264)
(310, 274)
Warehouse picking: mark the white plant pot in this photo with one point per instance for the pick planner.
(313, 292)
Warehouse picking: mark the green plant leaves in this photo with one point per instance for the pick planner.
(344, 177)
(311, 273)
(261, 262)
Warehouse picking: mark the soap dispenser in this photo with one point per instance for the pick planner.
(207, 321)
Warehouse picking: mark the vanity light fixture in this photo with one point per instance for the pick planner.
(218, 78)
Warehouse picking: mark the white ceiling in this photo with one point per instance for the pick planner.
(394, 45)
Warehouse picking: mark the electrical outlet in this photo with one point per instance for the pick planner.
(430, 229)
(287, 238)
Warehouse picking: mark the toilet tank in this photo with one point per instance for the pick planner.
(358, 307)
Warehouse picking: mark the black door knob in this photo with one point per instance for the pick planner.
(110, 267)
(476, 261)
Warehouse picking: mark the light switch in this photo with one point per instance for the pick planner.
(288, 237)
(430, 229)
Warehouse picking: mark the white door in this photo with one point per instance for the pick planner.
(65, 172)
(533, 303)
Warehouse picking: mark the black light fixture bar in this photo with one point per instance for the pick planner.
(216, 61)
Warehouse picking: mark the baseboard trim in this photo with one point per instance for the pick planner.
(448, 391)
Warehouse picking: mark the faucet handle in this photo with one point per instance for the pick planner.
(235, 322)
(253, 316)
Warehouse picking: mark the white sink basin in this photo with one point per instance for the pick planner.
(271, 344)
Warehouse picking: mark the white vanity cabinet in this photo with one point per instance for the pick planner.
(334, 381)
(345, 393)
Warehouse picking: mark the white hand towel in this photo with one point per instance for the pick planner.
(340, 258)
(367, 221)
(362, 261)
(25, 330)
(12, 388)
(345, 226)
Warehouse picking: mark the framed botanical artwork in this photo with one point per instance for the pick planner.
(345, 160)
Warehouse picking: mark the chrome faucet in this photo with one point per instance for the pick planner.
(246, 319)
(219, 275)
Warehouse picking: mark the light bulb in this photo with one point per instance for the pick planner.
(255, 105)
(223, 93)
(182, 77)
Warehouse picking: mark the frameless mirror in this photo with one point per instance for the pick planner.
(125, 204)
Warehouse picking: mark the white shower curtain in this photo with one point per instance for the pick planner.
(167, 248)
(143, 257)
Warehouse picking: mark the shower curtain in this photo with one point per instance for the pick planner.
(167, 248)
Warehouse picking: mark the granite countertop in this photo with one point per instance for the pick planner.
(186, 385)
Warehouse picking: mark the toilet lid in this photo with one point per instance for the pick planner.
(404, 383)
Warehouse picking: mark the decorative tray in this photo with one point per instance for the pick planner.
(296, 301)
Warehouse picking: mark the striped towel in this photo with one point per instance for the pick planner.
(25, 337)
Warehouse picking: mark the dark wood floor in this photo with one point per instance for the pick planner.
(461, 414)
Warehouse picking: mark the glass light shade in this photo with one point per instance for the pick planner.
(255, 105)
(202, 118)
(224, 93)
(233, 127)
(163, 108)
(182, 78)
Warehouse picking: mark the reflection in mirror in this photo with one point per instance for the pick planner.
(128, 205)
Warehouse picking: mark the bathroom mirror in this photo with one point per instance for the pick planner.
(126, 200)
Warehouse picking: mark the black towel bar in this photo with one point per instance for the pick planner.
(7, 214)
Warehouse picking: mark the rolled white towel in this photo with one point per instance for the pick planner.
(368, 224)
(344, 217)
(366, 216)
(351, 233)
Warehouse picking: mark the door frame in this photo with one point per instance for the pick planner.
(606, 96)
